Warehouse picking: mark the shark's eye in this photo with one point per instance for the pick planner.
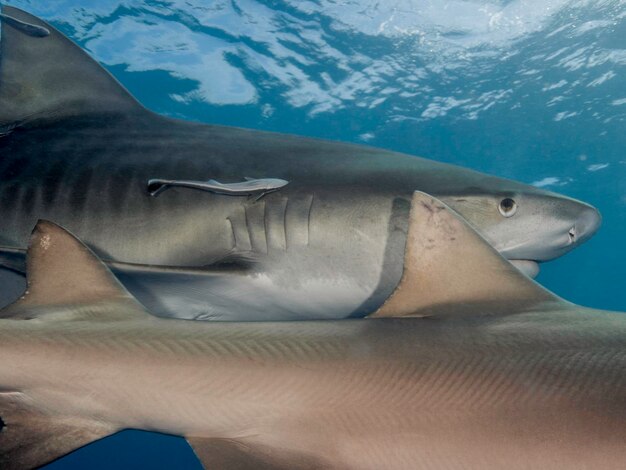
(507, 207)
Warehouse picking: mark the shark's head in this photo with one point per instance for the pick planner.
(525, 224)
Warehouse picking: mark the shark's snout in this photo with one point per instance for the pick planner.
(575, 223)
(546, 227)
(571, 224)
(586, 225)
(557, 239)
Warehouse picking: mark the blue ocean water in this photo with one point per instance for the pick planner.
(533, 90)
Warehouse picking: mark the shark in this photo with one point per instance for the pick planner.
(323, 238)
(468, 365)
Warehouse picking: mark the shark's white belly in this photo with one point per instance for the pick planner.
(259, 297)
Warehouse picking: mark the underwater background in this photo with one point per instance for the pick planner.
(533, 90)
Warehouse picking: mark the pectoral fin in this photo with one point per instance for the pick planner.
(65, 279)
(218, 454)
(30, 438)
(449, 269)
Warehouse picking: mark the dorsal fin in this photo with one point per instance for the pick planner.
(43, 73)
(449, 269)
(66, 278)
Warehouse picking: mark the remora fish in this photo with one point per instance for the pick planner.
(249, 187)
(77, 149)
(502, 374)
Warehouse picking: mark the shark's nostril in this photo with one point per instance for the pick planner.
(572, 234)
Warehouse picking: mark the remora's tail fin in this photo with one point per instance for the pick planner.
(43, 73)
(65, 278)
(449, 269)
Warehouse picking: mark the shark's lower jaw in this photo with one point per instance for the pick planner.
(529, 267)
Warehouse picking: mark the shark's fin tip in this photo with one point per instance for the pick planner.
(61, 271)
(44, 75)
(244, 454)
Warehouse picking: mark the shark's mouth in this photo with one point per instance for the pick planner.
(528, 267)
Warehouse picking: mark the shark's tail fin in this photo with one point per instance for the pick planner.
(447, 263)
(42, 73)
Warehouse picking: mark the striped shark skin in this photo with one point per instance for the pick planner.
(468, 365)
(77, 149)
